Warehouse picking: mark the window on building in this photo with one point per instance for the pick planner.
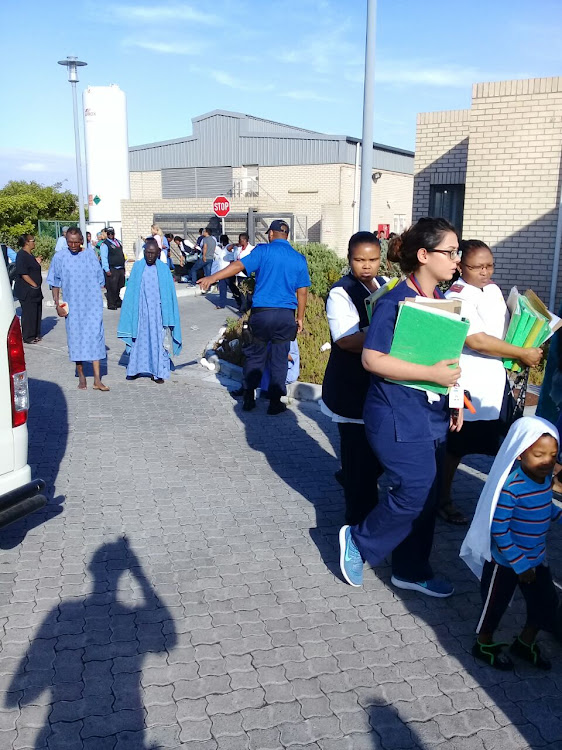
(399, 224)
(447, 201)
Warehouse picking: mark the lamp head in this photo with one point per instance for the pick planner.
(72, 63)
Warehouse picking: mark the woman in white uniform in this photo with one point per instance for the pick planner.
(346, 381)
(483, 373)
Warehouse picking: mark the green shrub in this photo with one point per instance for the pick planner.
(316, 333)
(324, 266)
(45, 247)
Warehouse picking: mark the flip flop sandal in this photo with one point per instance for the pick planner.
(452, 515)
(492, 654)
(101, 387)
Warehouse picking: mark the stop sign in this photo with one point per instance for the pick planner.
(221, 206)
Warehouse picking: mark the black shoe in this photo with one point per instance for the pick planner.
(530, 652)
(492, 654)
(249, 401)
(276, 407)
(111, 308)
(237, 393)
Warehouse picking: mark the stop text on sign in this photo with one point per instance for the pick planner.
(221, 206)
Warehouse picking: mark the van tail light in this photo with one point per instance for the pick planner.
(18, 374)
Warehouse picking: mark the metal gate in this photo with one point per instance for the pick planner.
(255, 224)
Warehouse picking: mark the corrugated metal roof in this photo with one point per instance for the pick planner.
(222, 138)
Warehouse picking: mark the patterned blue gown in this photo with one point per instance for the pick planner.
(148, 355)
(81, 279)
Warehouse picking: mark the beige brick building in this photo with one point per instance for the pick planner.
(495, 170)
(268, 169)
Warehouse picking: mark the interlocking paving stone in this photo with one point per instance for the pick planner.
(221, 623)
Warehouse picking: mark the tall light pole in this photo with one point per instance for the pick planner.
(73, 63)
(368, 115)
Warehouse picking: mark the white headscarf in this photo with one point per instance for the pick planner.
(476, 549)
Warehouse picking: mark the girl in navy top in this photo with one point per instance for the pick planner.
(406, 428)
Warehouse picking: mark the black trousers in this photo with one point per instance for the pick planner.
(498, 585)
(236, 293)
(275, 326)
(361, 470)
(30, 319)
(113, 285)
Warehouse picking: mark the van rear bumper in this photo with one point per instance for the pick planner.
(21, 501)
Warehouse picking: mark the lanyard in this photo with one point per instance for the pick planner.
(419, 289)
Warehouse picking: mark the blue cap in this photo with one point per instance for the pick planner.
(279, 226)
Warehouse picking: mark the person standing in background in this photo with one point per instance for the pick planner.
(205, 262)
(61, 242)
(28, 289)
(113, 264)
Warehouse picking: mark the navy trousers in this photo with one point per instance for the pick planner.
(403, 522)
(277, 326)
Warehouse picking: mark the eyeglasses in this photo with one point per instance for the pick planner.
(453, 254)
(484, 267)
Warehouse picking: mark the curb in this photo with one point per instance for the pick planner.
(299, 391)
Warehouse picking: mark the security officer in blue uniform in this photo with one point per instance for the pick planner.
(282, 282)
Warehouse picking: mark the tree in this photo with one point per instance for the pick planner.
(23, 203)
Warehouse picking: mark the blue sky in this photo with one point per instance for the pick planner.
(296, 61)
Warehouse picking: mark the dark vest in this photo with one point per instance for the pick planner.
(115, 255)
(346, 381)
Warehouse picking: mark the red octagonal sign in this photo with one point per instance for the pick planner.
(221, 206)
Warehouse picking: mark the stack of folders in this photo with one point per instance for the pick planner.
(426, 332)
(373, 298)
(531, 323)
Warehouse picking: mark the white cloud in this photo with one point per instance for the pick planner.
(226, 79)
(34, 166)
(152, 14)
(164, 48)
(418, 73)
(304, 95)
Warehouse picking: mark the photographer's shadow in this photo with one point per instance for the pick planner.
(87, 657)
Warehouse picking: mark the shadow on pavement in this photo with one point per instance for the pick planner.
(48, 324)
(87, 657)
(48, 437)
(304, 465)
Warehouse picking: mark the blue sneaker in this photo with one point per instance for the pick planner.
(433, 587)
(351, 562)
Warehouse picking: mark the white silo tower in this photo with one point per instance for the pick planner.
(107, 155)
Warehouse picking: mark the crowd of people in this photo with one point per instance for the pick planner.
(409, 434)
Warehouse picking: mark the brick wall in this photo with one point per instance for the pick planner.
(145, 185)
(441, 154)
(513, 177)
(323, 193)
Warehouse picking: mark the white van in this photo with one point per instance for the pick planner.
(19, 495)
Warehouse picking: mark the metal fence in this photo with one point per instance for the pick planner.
(53, 228)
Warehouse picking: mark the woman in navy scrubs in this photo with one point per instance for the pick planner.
(406, 427)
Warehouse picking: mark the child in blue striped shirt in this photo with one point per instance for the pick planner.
(519, 527)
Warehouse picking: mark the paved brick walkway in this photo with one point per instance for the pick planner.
(181, 587)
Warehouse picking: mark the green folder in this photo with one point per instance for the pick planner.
(425, 336)
(520, 326)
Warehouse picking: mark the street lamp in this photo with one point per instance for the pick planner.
(368, 116)
(73, 63)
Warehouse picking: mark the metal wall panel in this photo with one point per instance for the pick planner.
(200, 182)
(179, 183)
(223, 140)
(213, 181)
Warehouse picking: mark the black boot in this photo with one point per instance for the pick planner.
(249, 400)
(276, 407)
